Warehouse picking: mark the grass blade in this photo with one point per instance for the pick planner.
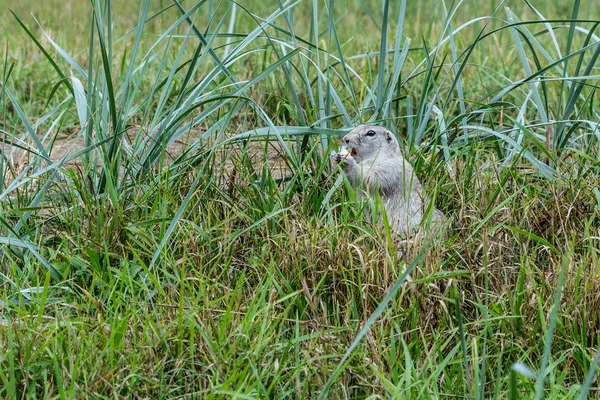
(541, 375)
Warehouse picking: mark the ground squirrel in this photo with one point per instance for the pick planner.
(374, 163)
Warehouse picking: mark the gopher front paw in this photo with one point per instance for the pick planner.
(342, 157)
(335, 157)
(348, 160)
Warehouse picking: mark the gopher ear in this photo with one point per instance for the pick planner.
(388, 136)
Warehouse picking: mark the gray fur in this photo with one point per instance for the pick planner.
(375, 164)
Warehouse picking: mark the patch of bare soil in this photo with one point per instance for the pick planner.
(261, 154)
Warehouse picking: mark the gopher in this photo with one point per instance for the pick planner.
(374, 163)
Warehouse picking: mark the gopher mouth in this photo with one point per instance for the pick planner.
(353, 152)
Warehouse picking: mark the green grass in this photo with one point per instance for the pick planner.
(195, 242)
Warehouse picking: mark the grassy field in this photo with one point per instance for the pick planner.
(171, 226)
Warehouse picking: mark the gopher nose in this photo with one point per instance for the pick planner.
(346, 140)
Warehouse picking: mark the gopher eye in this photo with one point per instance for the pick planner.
(371, 133)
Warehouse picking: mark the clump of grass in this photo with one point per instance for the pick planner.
(195, 242)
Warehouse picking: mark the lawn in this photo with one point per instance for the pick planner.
(171, 225)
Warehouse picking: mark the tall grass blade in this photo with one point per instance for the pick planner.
(32, 134)
(589, 379)
(382, 55)
(541, 375)
(33, 250)
(43, 50)
(533, 84)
